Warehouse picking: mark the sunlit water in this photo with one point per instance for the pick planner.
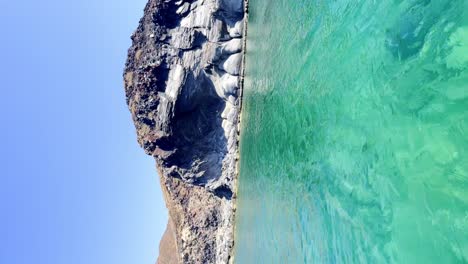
(354, 141)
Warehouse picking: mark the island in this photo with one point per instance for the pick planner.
(183, 81)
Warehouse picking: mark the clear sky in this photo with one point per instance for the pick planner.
(75, 186)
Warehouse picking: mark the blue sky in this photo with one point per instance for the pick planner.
(75, 186)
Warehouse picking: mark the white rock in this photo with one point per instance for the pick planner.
(236, 30)
(226, 111)
(227, 85)
(183, 9)
(227, 126)
(231, 99)
(232, 46)
(176, 78)
(200, 17)
(215, 33)
(232, 64)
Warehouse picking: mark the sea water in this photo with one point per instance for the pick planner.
(354, 139)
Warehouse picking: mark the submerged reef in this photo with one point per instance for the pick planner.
(183, 80)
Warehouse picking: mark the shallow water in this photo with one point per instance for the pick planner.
(354, 141)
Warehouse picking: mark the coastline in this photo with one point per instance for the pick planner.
(184, 82)
(239, 124)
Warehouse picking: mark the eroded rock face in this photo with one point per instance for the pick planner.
(183, 85)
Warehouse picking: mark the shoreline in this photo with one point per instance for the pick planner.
(239, 125)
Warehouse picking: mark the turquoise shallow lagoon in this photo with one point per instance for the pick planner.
(354, 141)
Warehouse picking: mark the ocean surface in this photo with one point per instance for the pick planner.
(354, 141)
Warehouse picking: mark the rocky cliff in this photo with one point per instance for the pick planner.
(183, 80)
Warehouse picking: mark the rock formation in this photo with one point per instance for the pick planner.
(183, 80)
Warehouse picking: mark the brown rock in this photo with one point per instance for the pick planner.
(168, 253)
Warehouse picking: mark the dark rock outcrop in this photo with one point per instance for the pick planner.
(183, 81)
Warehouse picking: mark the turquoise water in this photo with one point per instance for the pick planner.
(354, 141)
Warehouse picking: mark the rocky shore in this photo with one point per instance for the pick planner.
(183, 83)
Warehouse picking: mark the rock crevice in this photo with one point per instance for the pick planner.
(183, 80)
